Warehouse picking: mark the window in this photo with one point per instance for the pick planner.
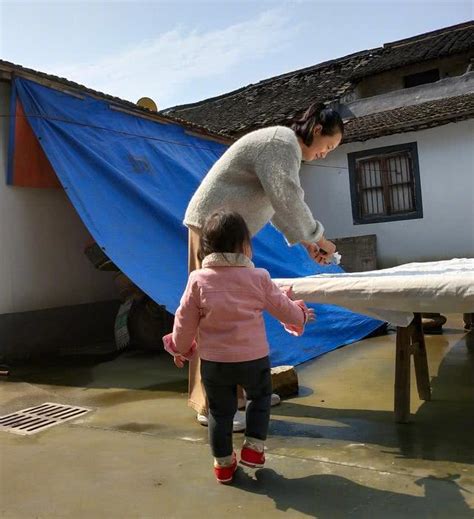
(385, 184)
(421, 78)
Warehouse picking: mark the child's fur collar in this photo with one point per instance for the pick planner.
(226, 259)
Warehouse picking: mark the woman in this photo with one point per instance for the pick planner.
(258, 177)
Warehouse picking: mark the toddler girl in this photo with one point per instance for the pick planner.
(220, 318)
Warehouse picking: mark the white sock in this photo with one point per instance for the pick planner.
(225, 461)
(254, 444)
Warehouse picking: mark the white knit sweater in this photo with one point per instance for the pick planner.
(258, 176)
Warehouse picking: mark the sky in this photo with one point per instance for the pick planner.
(179, 52)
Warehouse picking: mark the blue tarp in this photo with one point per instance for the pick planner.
(130, 179)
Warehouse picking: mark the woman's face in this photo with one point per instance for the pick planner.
(321, 145)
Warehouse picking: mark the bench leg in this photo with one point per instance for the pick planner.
(420, 359)
(468, 322)
(402, 375)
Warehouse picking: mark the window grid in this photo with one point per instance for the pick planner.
(385, 184)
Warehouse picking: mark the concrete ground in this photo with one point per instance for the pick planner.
(334, 451)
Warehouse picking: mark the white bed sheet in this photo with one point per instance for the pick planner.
(394, 294)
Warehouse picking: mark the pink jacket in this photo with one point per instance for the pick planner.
(222, 309)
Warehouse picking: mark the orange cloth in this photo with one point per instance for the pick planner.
(31, 167)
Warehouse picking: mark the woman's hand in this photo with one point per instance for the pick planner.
(312, 249)
(326, 250)
(310, 315)
(321, 251)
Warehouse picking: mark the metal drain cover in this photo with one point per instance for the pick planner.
(36, 419)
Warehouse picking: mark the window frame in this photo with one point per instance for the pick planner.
(355, 199)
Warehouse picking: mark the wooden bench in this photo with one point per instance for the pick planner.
(399, 295)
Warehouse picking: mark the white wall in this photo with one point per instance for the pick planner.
(446, 158)
(42, 264)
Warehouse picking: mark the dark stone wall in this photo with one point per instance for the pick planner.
(359, 253)
(32, 335)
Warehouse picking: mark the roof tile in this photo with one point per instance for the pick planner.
(278, 100)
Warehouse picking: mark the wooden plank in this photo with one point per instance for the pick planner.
(284, 381)
(223, 140)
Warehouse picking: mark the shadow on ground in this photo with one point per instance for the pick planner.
(133, 369)
(331, 497)
(441, 429)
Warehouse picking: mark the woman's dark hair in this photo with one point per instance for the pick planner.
(317, 113)
(223, 231)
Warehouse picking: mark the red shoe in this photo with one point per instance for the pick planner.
(251, 458)
(225, 475)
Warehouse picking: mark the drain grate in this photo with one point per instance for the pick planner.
(41, 417)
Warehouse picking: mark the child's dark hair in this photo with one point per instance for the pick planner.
(223, 231)
(317, 113)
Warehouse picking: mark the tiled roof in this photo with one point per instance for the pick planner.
(13, 68)
(274, 101)
(410, 118)
(432, 45)
(278, 100)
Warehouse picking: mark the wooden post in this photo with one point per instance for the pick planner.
(410, 340)
(420, 359)
(402, 375)
(468, 322)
